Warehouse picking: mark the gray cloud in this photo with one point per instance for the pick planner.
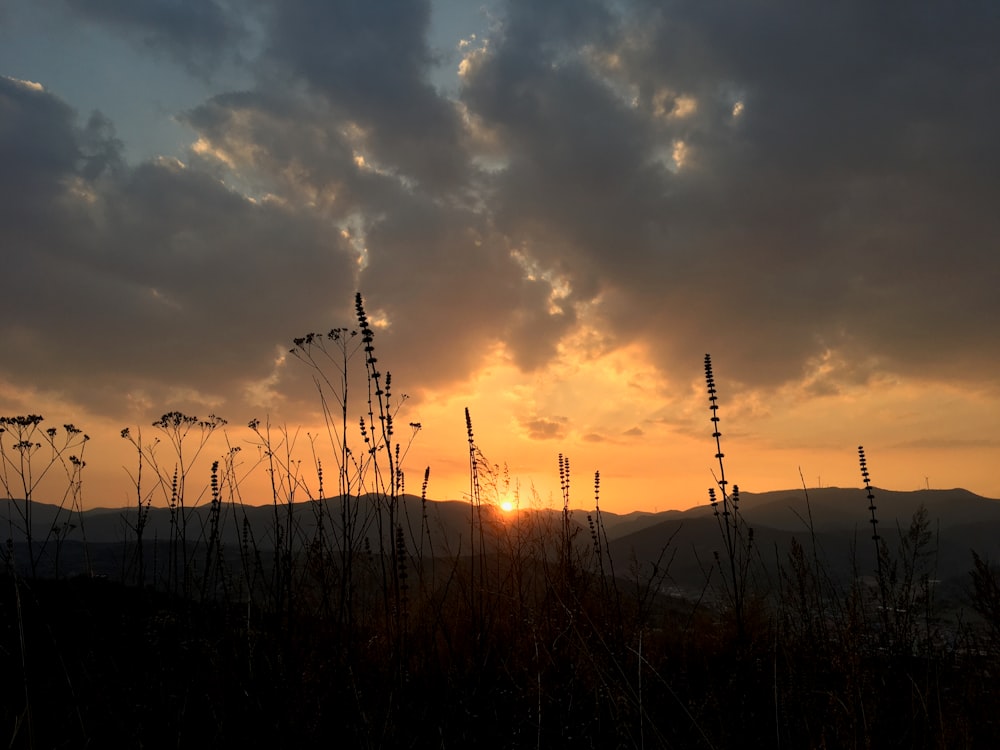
(545, 428)
(38, 145)
(285, 144)
(197, 34)
(435, 266)
(449, 287)
(152, 277)
(371, 62)
(776, 183)
(843, 208)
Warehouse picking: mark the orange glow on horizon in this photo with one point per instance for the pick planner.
(651, 443)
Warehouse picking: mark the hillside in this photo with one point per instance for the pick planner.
(686, 540)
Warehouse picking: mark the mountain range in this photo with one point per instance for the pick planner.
(833, 521)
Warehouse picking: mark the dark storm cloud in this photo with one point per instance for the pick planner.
(194, 33)
(845, 206)
(154, 278)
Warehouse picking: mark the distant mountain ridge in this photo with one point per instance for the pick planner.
(828, 508)
(845, 508)
(836, 518)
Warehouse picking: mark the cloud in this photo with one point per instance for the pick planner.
(370, 62)
(447, 282)
(282, 144)
(194, 33)
(946, 444)
(156, 277)
(841, 208)
(38, 145)
(545, 428)
(808, 193)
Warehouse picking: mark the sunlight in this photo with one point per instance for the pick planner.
(506, 506)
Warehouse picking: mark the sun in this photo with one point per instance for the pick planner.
(506, 506)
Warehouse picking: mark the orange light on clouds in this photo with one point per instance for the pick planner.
(652, 441)
(607, 412)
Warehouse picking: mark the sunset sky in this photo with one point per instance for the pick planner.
(553, 208)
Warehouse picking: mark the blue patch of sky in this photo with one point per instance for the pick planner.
(451, 22)
(91, 68)
(141, 91)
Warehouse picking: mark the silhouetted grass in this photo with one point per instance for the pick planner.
(370, 619)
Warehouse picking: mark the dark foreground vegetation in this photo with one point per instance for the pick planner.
(366, 617)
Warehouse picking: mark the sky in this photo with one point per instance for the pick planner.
(553, 211)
